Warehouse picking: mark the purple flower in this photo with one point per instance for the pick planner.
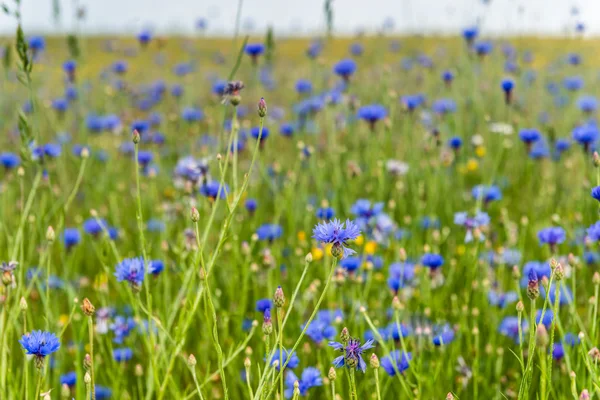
(396, 362)
(337, 234)
(40, 344)
(552, 236)
(131, 270)
(352, 357)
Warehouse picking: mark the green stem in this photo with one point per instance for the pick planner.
(91, 338)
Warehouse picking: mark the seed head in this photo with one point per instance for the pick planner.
(87, 307)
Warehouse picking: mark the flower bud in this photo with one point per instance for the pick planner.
(262, 107)
(191, 361)
(136, 136)
(344, 336)
(585, 395)
(308, 258)
(87, 307)
(520, 307)
(596, 278)
(50, 235)
(85, 153)
(450, 396)
(195, 215)
(541, 336)
(247, 362)
(596, 159)
(337, 251)
(23, 304)
(279, 298)
(332, 375)
(65, 392)
(559, 272)
(139, 370)
(374, 361)
(396, 305)
(87, 362)
(594, 354)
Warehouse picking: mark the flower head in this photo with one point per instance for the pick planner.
(352, 357)
(131, 270)
(39, 343)
(396, 362)
(311, 377)
(338, 234)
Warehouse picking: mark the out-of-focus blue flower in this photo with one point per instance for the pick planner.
(269, 232)
(263, 305)
(486, 193)
(587, 103)
(546, 318)
(483, 48)
(290, 361)
(9, 160)
(480, 219)
(372, 113)
(396, 362)
(311, 377)
(122, 355)
(444, 106)
(155, 267)
(528, 136)
(509, 327)
(552, 236)
(573, 83)
(254, 49)
(325, 213)
(213, 190)
(191, 114)
(303, 86)
(432, 261)
(345, 68)
(71, 237)
(69, 379)
(501, 300)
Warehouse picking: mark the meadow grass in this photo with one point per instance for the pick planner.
(201, 276)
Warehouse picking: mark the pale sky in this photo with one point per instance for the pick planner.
(306, 16)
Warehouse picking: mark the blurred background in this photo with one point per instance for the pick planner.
(307, 17)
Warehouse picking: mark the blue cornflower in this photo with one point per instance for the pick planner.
(284, 357)
(558, 352)
(412, 101)
(585, 135)
(319, 330)
(444, 336)
(351, 264)
(254, 49)
(61, 104)
(401, 274)
(9, 160)
(218, 87)
(587, 103)
(144, 37)
(122, 327)
(356, 49)
(574, 58)
(269, 232)
(444, 106)
(325, 213)
(507, 84)
(263, 305)
(145, 157)
(131, 270)
(345, 68)
(286, 129)
(177, 90)
(363, 209)
(69, 379)
(39, 343)
(552, 236)
(447, 76)
(483, 48)
(565, 296)
(528, 136)
(119, 67)
(509, 327)
(480, 219)
(562, 145)
(372, 113)
(455, 143)
(338, 235)
(573, 83)
(191, 114)
(501, 300)
(486, 193)
(352, 357)
(396, 361)
(94, 226)
(546, 318)
(311, 377)
(155, 225)
(539, 269)
(71, 237)
(432, 261)
(596, 193)
(37, 43)
(213, 189)
(251, 205)
(155, 267)
(470, 33)
(123, 354)
(102, 392)
(303, 86)
(255, 132)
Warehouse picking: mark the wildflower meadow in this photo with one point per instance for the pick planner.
(272, 217)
